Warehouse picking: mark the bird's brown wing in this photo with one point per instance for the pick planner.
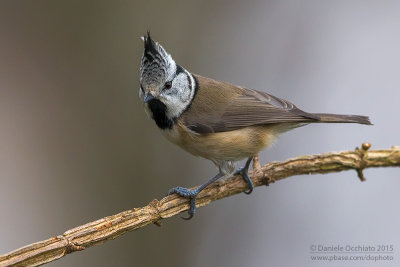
(221, 107)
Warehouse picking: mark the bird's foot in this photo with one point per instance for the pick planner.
(187, 193)
(244, 173)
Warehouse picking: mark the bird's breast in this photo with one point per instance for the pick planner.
(232, 145)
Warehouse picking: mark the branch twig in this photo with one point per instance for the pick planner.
(111, 227)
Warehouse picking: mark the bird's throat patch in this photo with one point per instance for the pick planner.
(159, 113)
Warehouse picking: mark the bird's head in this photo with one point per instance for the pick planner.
(164, 86)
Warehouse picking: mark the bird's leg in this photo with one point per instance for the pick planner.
(192, 194)
(244, 173)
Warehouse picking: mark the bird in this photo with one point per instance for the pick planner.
(216, 120)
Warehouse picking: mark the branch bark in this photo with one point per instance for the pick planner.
(111, 227)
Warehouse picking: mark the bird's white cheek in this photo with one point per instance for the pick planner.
(175, 108)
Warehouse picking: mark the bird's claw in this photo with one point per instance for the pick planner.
(187, 193)
(243, 172)
(183, 192)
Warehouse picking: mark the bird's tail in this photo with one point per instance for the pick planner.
(336, 118)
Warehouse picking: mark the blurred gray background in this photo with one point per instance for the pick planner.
(76, 144)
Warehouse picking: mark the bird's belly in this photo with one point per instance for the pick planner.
(232, 146)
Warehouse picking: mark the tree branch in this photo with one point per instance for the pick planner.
(111, 227)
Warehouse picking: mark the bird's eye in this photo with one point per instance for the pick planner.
(168, 85)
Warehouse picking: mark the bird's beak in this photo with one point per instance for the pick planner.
(148, 97)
